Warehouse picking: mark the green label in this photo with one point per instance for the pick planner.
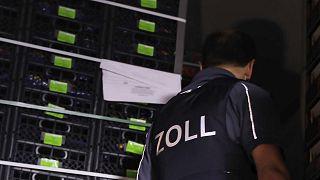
(57, 86)
(131, 173)
(52, 139)
(62, 62)
(149, 4)
(57, 115)
(49, 163)
(147, 25)
(145, 50)
(67, 12)
(134, 147)
(66, 37)
(136, 127)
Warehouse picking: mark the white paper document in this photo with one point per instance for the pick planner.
(129, 83)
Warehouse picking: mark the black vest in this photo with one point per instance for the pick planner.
(191, 138)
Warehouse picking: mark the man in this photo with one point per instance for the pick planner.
(220, 127)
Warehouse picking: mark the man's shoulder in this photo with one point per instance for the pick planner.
(247, 88)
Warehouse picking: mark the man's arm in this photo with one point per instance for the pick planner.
(258, 130)
(145, 171)
(269, 163)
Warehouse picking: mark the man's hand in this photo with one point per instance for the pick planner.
(269, 163)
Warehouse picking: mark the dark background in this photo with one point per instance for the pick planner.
(278, 28)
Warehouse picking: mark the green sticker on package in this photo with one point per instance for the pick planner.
(147, 25)
(57, 115)
(67, 12)
(57, 86)
(145, 50)
(66, 37)
(64, 62)
(52, 139)
(136, 127)
(131, 173)
(134, 147)
(152, 4)
(49, 163)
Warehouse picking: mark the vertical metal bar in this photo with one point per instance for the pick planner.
(180, 37)
(18, 65)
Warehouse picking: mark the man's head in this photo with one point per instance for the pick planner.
(231, 50)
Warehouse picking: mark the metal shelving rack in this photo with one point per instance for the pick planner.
(49, 56)
(312, 96)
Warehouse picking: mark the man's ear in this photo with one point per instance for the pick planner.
(249, 69)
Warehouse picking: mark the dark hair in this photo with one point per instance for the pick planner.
(228, 47)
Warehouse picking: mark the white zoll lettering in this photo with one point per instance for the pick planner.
(159, 141)
(179, 131)
(203, 128)
(187, 136)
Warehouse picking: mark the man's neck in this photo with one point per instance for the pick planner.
(238, 72)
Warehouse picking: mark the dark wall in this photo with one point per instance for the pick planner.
(193, 38)
(277, 28)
